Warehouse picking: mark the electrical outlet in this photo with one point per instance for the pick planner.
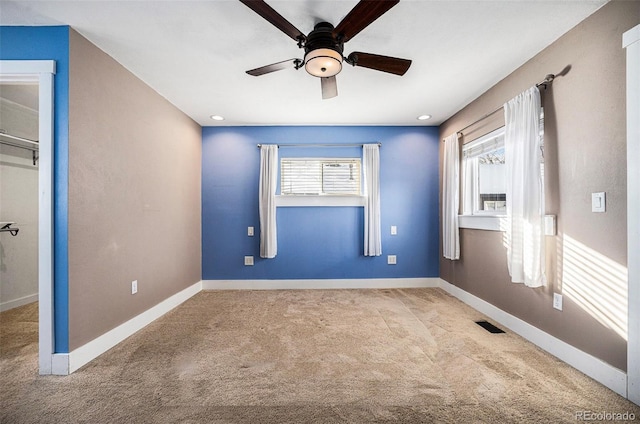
(557, 301)
(394, 230)
(134, 287)
(248, 260)
(391, 259)
(250, 231)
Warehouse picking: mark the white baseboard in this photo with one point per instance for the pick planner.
(605, 374)
(10, 304)
(595, 368)
(66, 363)
(60, 364)
(364, 283)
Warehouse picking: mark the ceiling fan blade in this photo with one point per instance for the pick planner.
(361, 16)
(392, 65)
(268, 13)
(273, 67)
(329, 87)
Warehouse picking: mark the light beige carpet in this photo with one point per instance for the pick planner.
(307, 356)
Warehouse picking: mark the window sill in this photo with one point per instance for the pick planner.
(294, 201)
(483, 222)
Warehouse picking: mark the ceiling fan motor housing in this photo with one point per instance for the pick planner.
(322, 52)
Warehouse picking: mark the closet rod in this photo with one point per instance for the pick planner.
(321, 145)
(548, 79)
(12, 231)
(7, 228)
(32, 146)
(8, 143)
(15, 137)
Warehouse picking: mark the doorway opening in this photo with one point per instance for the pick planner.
(18, 215)
(19, 80)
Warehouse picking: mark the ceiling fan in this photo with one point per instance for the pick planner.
(323, 47)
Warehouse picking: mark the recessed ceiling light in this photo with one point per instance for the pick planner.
(217, 117)
(423, 117)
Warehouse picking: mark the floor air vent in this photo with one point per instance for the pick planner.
(489, 327)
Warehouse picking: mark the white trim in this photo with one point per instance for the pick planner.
(482, 222)
(323, 200)
(45, 219)
(60, 364)
(499, 223)
(631, 41)
(25, 300)
(67, 363)
(631, 36)
(18, 68)
(41, 71)
(595, 368)
(365, 283)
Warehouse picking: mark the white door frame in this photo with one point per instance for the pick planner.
(42, 72)
(631, 42)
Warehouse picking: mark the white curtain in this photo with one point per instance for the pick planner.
(372, 234)
(525, 196)
(469, 177)
(450, 198)
(267, 204)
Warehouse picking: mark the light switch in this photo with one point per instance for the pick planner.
(250, 231)
(549, 225)
(598, 202)
(394, 230)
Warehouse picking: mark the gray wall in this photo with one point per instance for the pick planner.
(585, 124)
(18, 203)
(134, 195)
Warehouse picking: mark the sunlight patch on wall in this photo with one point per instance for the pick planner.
(595, 283)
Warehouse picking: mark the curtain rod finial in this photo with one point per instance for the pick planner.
(548, 79)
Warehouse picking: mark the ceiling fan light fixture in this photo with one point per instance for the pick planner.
(323, 62)
(324, 46)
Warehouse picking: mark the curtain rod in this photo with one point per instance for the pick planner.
(321, 145)
(548, 79)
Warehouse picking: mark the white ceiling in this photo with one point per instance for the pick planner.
(195, 54)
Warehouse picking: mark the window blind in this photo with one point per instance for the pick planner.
(489, 143)
(320, 176)
(494, 141)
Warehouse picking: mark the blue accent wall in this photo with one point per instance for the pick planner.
(51, 43)
(319, 242)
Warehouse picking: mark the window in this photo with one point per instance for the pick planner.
(484, 200)
(483, 175)
(320, 176)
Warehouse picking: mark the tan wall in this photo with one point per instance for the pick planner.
(585, 127)
(134, 195)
